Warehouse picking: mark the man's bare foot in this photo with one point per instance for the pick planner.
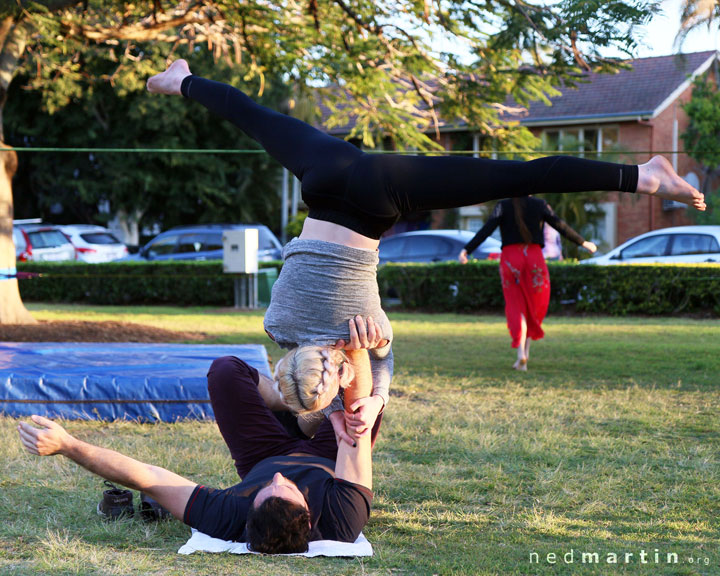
(169, 82)
(521, 364)
(657, 178)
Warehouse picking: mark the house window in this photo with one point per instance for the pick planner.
(609, 138)
(604, 223)
(590, 141)
(551, 140)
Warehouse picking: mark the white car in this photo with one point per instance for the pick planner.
(680, 244)
(94, 244)
(41, 243)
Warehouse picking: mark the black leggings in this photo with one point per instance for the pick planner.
(369, 192)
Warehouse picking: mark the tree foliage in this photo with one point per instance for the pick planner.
(382, 54)
(167, 188)
(695, 14)
(702, 137)
(702, 140)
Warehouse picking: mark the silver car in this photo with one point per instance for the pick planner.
(41, 243)
(679, 244)
(94, 243)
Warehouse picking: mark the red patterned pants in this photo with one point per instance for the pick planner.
(526, 287)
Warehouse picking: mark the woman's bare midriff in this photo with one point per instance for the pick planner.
(329, 232)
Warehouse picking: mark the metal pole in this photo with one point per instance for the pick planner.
(243, 290)
(295, 197)
(236, 290)
(255, 291)
(284, 206)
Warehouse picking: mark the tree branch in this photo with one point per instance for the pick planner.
(52, 5)
(356, 18)
(315, 13)
(138, 32)
(576, 52)
(5, 28)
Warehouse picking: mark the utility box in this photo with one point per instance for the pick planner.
(240, 251)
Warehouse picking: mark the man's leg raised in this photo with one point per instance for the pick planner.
(251, 431)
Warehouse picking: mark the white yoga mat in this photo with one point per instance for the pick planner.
(200, 542)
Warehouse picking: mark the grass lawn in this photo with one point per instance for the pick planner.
(608, 445)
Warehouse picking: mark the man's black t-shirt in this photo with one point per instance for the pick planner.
(338, 510)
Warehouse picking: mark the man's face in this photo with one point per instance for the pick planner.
(281, 487)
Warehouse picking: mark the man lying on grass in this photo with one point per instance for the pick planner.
(293, 490)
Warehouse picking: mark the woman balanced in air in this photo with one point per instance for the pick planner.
(329, 275)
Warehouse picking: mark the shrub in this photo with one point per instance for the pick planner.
(443, 287)
(614, 290)
(181, 283)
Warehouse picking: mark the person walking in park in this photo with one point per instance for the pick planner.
(523, 272)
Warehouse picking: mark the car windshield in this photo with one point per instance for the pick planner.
(99, 238)
(47, 238)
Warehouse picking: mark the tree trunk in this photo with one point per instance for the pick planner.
(127, 226)
(12, 310)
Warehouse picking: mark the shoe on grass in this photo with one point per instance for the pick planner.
(151, 511)
(116, 503)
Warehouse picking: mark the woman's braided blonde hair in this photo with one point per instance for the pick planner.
(300, 378)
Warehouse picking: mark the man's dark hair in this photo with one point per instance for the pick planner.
(278, 526)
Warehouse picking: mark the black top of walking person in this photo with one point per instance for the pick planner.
(535, 212)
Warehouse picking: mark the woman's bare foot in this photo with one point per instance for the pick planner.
(521, 364)
(657, 178)
(169, 82)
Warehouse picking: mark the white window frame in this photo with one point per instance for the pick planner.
(581, 136)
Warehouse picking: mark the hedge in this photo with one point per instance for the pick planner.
(182, 283)
(614, 290)
(442, 287)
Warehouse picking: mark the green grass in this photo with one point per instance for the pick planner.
(609, 444)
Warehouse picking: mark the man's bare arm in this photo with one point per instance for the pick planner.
(354, 464)
(169, 489)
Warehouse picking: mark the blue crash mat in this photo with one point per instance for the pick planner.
(146, 382)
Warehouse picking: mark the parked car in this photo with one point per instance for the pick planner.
(434, 246)
(204, 242)
(94, 243)
(680, 244)
(41, 243)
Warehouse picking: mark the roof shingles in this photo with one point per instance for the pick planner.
(635, 91)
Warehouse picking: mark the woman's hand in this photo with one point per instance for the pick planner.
(363, 335)
(589, 246)
(337, 419)
(462, 257)
(365, 411)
